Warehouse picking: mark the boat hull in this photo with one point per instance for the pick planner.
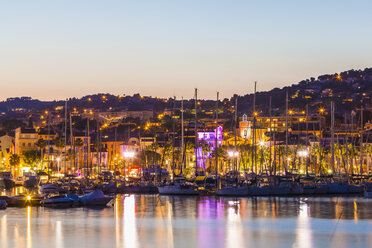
(169, 190)
(238, 191)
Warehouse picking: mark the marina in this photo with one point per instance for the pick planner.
(193, 221)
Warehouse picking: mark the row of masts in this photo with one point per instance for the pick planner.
(196, 144)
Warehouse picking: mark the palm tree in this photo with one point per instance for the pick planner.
(189, 151)
(14, 161)
(220, 152)
(60, 144)
(206, 148)
(41, 143)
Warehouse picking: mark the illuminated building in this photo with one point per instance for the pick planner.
(208, 141)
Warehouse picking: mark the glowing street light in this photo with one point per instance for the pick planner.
(128, 154)
(303, 153)
(233, 154)
(58, 159)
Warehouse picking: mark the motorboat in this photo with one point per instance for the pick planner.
(6, 180)
(19, 201)
(19, 181)
(177, 189)
(31, 182)
(61, 201)
(50, 189)
(95, 198)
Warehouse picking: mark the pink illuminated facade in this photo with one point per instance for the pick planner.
(208, 139)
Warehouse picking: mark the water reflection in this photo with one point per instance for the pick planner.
(162, 221)
(29, 237)
(129, 220)
(234, 226)
(303, 231)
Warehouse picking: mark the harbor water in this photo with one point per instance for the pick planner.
(192, 221)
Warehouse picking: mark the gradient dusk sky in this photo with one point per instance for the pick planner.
(59, 49)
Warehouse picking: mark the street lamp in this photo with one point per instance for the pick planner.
(262, 144)
(303, 154)
(233, 155)
(127, 155)
(58, 159)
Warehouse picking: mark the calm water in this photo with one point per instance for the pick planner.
(162, 221)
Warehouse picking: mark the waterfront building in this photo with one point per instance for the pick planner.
(25, 139)
(207, 144)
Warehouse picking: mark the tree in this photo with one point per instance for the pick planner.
(41, 143)
(31, 157)
(190, 151)
(60, 144)
(14, 160)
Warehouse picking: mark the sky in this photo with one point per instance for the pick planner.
(59, 49)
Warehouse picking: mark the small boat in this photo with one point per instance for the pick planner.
(109, 188)
(177, 189)
(19, 181)
(95, 199)
(31, 182)
(50, 189)
(61, 201)
(3, 204)
(19, 201)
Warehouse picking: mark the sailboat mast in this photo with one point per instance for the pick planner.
(254, 164)
(88, 144)
(65, 162)
(235, 122)
(48, 142)
(361, 141)
(196, 130)
(216, 142)
(271, 131)
(72, 144)
(173, 130)
(307, 138)
(332, 136)
(286, 131)
(182, 137)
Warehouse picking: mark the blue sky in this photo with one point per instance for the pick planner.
(58, 49)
